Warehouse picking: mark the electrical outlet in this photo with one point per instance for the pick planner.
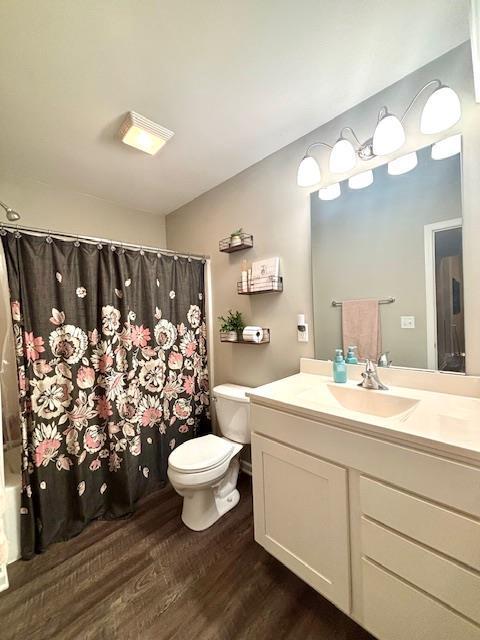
(302, 333)
(407, 322)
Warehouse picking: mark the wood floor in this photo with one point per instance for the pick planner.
(150, 577)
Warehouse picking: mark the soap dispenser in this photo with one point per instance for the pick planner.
(352, 356)
(339, 367)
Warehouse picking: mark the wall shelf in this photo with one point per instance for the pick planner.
(265, 284)
(237, 243)
(225, 337)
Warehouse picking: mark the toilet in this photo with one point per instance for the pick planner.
(205, 470)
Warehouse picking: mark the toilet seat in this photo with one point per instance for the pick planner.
(200, 454)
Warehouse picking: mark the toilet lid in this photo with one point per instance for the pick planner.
(200, 454)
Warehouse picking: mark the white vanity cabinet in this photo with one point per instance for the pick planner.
(390, 534)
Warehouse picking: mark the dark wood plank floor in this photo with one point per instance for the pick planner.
(150, 577)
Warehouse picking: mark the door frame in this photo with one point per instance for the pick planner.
(430, 284)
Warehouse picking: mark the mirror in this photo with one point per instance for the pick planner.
(399, 241)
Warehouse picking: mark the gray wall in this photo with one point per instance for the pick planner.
(265, 200)
(43, 205)
(370, 244)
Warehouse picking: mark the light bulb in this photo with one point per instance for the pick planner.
(389, 135)
(361, 180)
(342, 156)
(330, 193)
(441, 111)
(403, 164)
(308, 173)
(447, 147)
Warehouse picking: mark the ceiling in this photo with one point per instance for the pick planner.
(234, 80)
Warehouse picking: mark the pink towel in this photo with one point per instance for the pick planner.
(361, 327)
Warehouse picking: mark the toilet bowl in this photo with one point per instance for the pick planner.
(204, 471)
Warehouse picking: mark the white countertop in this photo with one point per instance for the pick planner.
(442, 423)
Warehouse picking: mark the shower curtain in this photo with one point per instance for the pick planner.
(112, 375)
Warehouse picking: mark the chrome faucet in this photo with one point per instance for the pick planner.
(371, 379)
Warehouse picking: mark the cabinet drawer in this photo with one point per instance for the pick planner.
(394, 610)
(438, 576)
(451, 533)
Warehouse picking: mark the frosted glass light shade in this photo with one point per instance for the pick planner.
(447, 147)
(330, 193)
(441, 111)
(389, 136)
(403, 164)
(361, 180)
(342, 156)
(308, 173)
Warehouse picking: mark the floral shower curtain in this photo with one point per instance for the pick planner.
(112, 375)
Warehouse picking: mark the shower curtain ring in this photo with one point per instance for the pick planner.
(3, 231)
(77, 242)
(49, 238)
(112, 246)
(142, 252)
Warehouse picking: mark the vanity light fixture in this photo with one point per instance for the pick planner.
(144, 134)
(441, 111)
(447, 147)
(308, 173)
(330, 193)
(342, 157)
(403, 164)
(361, 180)
(389, 135)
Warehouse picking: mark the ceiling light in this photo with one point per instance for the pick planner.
(403, 164)
(308, 173)
(361, 180)
(389, 135)
(447, 147)
(342, 157)
(141, 133)
(441, 111)
(329, 193)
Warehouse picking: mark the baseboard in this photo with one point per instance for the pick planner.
(246, 467)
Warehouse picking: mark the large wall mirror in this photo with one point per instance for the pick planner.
(398, 241)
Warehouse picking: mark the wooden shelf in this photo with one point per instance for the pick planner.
(266, 284)
(227, 246)
(240, 340)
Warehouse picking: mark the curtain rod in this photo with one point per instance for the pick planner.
(94, 240)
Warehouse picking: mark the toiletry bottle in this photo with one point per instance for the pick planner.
(244, 276)
(339, 367)
(352, 356)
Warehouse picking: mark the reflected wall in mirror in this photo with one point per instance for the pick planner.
(401, 238)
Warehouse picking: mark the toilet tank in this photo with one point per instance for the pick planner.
(233, 412)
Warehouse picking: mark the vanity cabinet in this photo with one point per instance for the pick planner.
(390, 534)
(301, 516)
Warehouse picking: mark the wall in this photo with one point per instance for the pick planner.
(265, 200)
(45, 206)
(370, 242)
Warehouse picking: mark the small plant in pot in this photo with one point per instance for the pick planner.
(231, 326)
(236, 238)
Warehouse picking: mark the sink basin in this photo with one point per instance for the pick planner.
(370, 402)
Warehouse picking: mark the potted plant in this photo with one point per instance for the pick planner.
(231, 326)
(236, 237)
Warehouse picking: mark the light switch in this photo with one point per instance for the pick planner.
(407, 322)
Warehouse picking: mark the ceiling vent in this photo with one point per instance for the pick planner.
(141, 133)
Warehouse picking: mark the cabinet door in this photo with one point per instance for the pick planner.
(301, 516)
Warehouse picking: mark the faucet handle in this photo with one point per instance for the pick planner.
(370, 366)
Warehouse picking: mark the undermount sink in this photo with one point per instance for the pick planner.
(369, 402)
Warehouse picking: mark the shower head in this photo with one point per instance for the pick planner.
(12, 215)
